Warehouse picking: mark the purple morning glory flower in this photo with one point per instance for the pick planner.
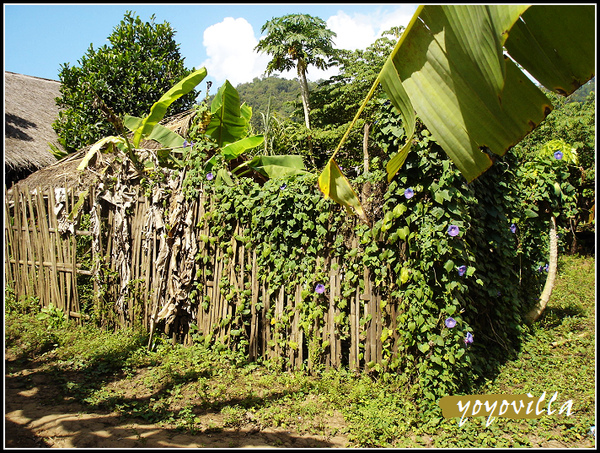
(546, 267)
(320, 288)
(283, 186)
(453, 230)
(558, 155)
(513, 228)
(450, 323)
(408, 193)
(210, 176)
(461, 270)
(469, 338)
(186, 143)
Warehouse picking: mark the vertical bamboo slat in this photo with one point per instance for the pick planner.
(57, 295)
(9, 242)
(36, 252)
(46, 251)
(266, 324)
(20, 271)
(22, 250)
(378, 328)
(254, 336)
(66, 258)
(278, 314)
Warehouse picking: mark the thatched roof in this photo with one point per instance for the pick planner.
(29, 111)
(64, 173)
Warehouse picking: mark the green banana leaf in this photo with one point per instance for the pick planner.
(236, 149)
(159, 108)
(336, 186)
(161, 134)
(556, 45)
(398, 97)
(229, 122)
(223, 178)
(474, 99)
(450, 68)
(276, 166)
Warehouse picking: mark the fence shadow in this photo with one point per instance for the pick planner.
(39, 414)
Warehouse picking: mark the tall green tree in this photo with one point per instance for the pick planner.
(336, 100)
(297, 41)
(126, 76)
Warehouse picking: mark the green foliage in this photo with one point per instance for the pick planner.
(270, 94)
(297, 41)
(335, 101)
(229, 121)
(160, 107)
(276, 166)
(27, 332)
(56, 152)
(571, 123)
(546, 181)
(54, 317)
(125, 76)
(583, 92)
(417, 75)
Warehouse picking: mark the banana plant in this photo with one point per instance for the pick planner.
(229, 127)
(147, 128)
(458, 68)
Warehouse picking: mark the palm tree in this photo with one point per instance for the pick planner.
(297, 40)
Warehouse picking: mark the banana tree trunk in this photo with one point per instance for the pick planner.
(536, 311)
(366, 147)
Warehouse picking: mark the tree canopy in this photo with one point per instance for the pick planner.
(126, 76)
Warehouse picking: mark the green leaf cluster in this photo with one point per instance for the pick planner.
(141, 61)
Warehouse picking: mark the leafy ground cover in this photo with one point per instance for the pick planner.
(81, 387)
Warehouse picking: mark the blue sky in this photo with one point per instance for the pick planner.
(38, 38)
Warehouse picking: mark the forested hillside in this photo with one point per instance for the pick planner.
(283, 95)
(582, 93)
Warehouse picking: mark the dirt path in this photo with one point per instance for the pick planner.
(38, 416)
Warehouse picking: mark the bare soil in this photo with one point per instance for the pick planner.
(38, 415)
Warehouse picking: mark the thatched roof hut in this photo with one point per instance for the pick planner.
(29, 111)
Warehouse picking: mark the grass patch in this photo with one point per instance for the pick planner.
(199, 389)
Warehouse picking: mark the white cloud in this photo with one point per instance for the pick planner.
(400, 16)
(356, 32)
(230, 49)
(359, 31)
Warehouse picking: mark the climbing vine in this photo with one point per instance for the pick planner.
(449, 256)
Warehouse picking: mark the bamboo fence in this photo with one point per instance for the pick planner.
(41, 260)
